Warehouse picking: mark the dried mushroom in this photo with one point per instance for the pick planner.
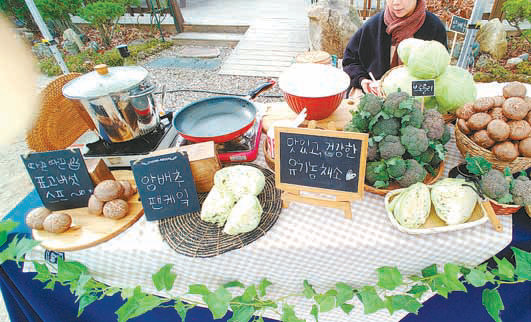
(498, 130)
(519, 129)
(505, 151)
(482, 139)
(478, 121)
(514, 89)
(515, 108)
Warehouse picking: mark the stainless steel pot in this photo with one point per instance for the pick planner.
(119, 101)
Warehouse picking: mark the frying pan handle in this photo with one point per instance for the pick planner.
(261, 88)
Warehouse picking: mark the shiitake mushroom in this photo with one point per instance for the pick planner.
(482, 139)
(497, 114)
(525, 147)
(505, 151)
(478, 121)
(461, 124)
(483, 104)
(515, 108)
(465, 111)
(514, 89)
(519, 129)
(498, 130)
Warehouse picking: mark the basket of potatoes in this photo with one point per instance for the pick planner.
(497, 128)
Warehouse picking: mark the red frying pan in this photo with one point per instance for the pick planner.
(219, 119)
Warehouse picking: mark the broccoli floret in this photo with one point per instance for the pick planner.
(359, 122)
(447, 135)
(370, 103)
(414, 140)
(386, 127)
(494, 185)
(372, 152)
(415, 117)
(396, 167)
(414, 173)
(435, 161)
(426, 156)
(376, 172)
(390, 147)
(433, 124)
(349, 127)
(521, 191)
(391, 106)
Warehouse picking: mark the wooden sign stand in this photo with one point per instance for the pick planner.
(342, 199)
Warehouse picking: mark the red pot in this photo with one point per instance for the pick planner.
(318, 88)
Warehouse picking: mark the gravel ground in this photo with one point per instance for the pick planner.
(14, 181)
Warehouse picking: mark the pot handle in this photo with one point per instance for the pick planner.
(261, 88)
(148, 90)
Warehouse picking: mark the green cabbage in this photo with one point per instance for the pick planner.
(217, 206)
(454, 200)
(428, 60)
(240, 180)
(245, 216)
(405, 47)
(453, 89)
(398, 77)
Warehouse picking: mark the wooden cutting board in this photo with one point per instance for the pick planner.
(281, 111)
(89, 230)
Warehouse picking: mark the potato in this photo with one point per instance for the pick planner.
(498, 100)
(108, 190)
(498, 130)
(515, 108)
(525, 147)
(478, 121)
(482, 139)
(115, 209)
(95, 206)
(461, 124)
(35, 218)
(465, 111)
(514, 89)
(497, 114)
(505, 151)
(57, 222)
(519, 130)
(483, 104)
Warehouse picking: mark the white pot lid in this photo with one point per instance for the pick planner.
(104, 81)
(313, 80)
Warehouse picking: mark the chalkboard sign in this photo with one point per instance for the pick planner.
(321, 161)
(458, 24)
(60, 177)
(166, 185)
(423, 88)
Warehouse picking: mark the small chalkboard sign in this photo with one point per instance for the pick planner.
(423, 87)
(60, 177)
(458, 24)
(166, 185)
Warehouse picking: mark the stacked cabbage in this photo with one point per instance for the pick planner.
(233, 200)
(454, 86)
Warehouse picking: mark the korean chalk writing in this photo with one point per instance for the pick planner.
(458, 24)
(166, 185)
(60, 177)
(423, 88)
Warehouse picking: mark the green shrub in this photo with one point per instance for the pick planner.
(103, 15)
(59, 11)
(517, 12)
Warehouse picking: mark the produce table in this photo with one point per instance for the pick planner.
(306, 242)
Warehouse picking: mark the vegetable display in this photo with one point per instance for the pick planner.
(454, 86)
(500, 123)
(404, 142)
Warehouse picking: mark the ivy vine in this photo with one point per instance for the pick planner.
(252, 300)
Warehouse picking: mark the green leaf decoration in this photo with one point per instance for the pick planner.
(370, 299)
(402, 302)
(344, 293)
(477, 165)
(218, 302)
(264, 283)
(389, 278)
(138, 304)
(242, 314)
(50, 285)
(451, 274)
(111, 291)
(476, 277)
(347, 308)
(249, 294)
(164, 278)
(181, 309)
(69, 271)
(418, 290)
(127, 293)
(523, 263)
(327, 303)
(85, 301)
(8, 225)
(43, 274)
(438, 285)
(198, 289)
(429, 271)
(80, 287)
(234, 284)
(315, 312)
(23, 246)
(288, 314)
(308, 292)
(505, 268)
(493, 303)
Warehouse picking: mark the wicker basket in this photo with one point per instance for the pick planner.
(466, 145)
(503, 209)
(270, 162)
(393, 185)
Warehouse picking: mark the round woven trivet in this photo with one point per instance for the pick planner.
(190, 236)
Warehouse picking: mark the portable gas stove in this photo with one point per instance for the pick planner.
(118, 155)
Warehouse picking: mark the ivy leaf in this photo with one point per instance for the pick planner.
(111, 291)
(429, 271)
(164, 278)
(417, 291)
(371, 301)
(505, 268)
(347, 308)
(181, 309)
(476, 277)
(493, 303)
(315, 312)
(327, 303)
(242, 314)
(234, 284)
(84, 301)
(8, 225)
(80, 287)
(288, 314)
(43, 274)
(389, 278)
(127, 293)
(138, 304)
(69, 271)
(523, 263)
(218, 302)
(198, 289)
(50, 285)
(344, 293)
(23, 246)
(264, 283)
(402, 302)
(451, 274)
(249, 294)
(308, 292)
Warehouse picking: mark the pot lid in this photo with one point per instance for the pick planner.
(104, 81)
(313, 80)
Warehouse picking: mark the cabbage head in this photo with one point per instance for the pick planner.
(429, 60)
(453, 89)
(398, 77)
(244, 217)
(405, 47)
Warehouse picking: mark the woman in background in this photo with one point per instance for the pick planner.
(373, 46)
